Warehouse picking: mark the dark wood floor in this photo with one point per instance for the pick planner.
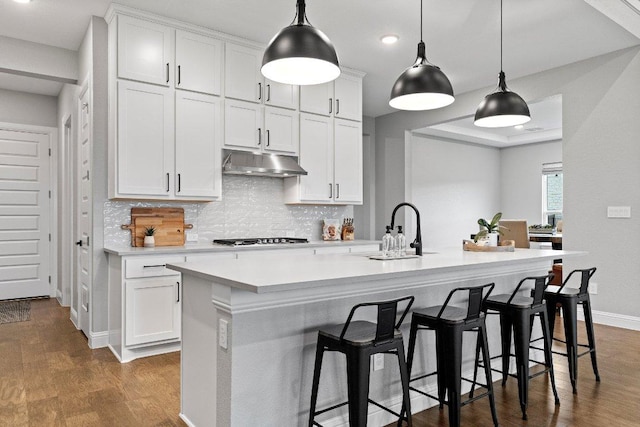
(49, 377)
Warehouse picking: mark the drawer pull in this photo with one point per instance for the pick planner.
(154, 266)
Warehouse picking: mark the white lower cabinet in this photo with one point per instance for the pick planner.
(152, 310)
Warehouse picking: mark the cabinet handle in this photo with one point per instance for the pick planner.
(178, 283)
(179, 75)
(154, 266)
(330, 105)
(179, 184)
(268, 138)
(167, 72)
(167, 182)
(330, 190)
(337, 106)
(268, 93)
(259, 136)
(259, 91)
(337, 191)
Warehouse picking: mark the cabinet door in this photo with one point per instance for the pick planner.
(242, 124)
(281, 95)
(348, 98)
(152, 310)
(316, 157)
(242, 78)
(198, 144)
(348, 162)
(317, 99)
(281, 130)
(198, 63)
(145, 140)
(144, 51)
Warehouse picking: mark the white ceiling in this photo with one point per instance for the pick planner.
(462, 37)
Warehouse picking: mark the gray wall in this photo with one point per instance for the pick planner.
(28, 108)
(600, 153)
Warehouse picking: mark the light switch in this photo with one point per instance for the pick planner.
(619, 212)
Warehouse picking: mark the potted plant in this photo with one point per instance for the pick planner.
(149, 239)
(489, 230)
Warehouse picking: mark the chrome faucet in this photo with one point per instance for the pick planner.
(417, 243)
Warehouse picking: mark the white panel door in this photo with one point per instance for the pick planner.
(198, 144)
(242, 76)
(316, 157)
(243, 125)
(348, 162)
(317, 99)
(281, 130)
(84, 275)
(198, 63)
(348, 98)
(145, 140)
(144, 51)
(24, 214)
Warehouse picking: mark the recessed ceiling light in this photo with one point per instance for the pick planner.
(22, 1)
(519, 127)
(389, 39)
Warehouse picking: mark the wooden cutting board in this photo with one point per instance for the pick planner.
(168, 222)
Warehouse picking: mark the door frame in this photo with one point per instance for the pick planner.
(65, 198)
(52, 134)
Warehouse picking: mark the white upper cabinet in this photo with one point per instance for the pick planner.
(198, 142)
(341, 98)
(198, 63)
(243, 79)
(348, 162)
(281, 129)
(145, 51)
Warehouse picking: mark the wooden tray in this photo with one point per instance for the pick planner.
(168, 222)
(505, 246)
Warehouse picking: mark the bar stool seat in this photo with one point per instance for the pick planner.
(358, 340)
(568, 299)
(517, 312)
(449, 323)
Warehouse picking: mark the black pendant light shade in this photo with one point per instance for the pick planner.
(502, 108)
(300, 54)
(423, 86)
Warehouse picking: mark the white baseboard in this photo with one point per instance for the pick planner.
(613, 319)
(74, 318)
(99, 339)
(186, 420)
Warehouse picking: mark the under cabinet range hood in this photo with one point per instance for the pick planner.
(273, 165)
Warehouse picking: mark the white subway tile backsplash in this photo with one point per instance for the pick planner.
(250, 207)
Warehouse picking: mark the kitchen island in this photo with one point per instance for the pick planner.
(249, 327)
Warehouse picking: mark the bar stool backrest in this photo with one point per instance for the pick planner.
(586, 274)
(386, 320)
(537, 293)
(477, 297)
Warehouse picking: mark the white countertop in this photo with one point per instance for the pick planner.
(289, 271)
(211, 247)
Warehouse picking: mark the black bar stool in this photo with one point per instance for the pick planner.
(568, 299)
(517, 312)
(449, 322)
(358, 341)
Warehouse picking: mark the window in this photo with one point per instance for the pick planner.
(551, 193)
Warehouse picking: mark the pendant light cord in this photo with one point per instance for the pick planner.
(500, 35)
(421, 20)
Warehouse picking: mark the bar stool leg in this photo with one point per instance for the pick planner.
(586, 306)
(569, 315)
(482, 336)
(475, 364)
(551, 314)
(506, 324)
(316, 381)
(548, 355)
(521, 340)
(404, 379)
(441, 365)
(453, 373)
(358, 387)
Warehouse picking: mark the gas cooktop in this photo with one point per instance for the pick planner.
(260, 241)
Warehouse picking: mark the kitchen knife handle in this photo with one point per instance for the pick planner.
(179, 75)
(268, 138)
(167, 182)
(178, 283)
(179, 183)
(330, 105)
(259, 136)
(167, 72)
(330, 190)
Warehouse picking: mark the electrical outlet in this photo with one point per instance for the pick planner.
(619, 212)
(593, 288)
(223, 330)
(378, 362)
(192, 237)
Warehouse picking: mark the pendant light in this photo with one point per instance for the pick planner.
(423, 86)
(502, 108)
(300, 54)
